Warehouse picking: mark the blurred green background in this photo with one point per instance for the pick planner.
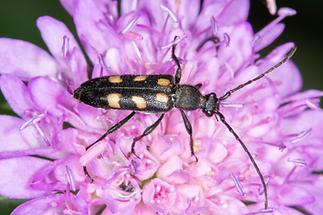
(305, 29)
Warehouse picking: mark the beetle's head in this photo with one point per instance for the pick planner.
(211, 104)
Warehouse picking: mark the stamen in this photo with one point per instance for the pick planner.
(170, 13)
(133, 166)
(237, 184)
(291, 172)
(281, 147)
(285, 11)
(282, 14)
(134, 4)
(136, 50)
(299, 137)
(102, 62)
(214, 26)
(41, 133)
(130, 25)
(231, 105)
(272, 7)
(266, 211)
(72, 113)
(173, 42)
(311, 105)
(227, 39)
(33, 120)
(65, 47)
(231, 71)
(70, 179)
(297, 161)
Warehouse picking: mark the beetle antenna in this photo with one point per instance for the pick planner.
(222, 118)
(286, 58)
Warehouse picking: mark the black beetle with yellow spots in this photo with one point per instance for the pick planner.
(159, 94)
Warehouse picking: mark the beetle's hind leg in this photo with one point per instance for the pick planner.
(112, 129)
(145, 133)
(109, 131)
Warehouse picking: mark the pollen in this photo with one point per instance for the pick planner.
(196, 146)
(139, 101)
(115, 79)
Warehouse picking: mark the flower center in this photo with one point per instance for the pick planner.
(127, 187)
(161, 194)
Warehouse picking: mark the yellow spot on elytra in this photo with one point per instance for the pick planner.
(162, 97)
(163, 82)
(140, 78)
(115, 79)
(139, 101)
(114, 100)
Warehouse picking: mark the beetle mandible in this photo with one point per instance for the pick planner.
(159, 94)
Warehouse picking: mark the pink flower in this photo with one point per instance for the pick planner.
(43, 147)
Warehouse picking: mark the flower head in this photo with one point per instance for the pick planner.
(44, 148)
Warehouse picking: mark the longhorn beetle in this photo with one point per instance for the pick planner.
(159, 94)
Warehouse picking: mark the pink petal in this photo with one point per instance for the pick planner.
(15, 175)
(59, 174)
(16, 94)
(262, 41)
(65, 136)
(64, 47)
(146, 166)
(159, 195)
(69, 5)
(143, 209)
(14, 139)
(315, 189)
(239, 49)
(96, 35)
(40, 206)
(187, 7)
(292, 195)
(287, 77)
(25, 59)
(172, 165)
(308, 94)
(49, 95)
(236, 11)
(309, 120)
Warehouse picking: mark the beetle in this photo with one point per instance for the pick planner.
(159, 94)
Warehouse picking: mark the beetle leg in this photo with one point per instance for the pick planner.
(178, 74)
(189, 131)
(198, 86)
(145, 133)
(112, 129)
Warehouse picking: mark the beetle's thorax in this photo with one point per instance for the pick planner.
(188, 97)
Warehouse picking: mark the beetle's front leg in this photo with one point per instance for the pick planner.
(178, 74)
